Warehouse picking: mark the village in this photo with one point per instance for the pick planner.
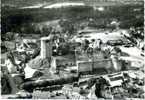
(73, 60)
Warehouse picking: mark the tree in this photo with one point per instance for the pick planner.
(67, 26)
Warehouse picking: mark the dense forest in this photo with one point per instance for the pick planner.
(129, 15)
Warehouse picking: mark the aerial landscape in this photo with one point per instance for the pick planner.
(72, 49)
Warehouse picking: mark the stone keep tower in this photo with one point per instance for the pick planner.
(46, 52)
(46, 47)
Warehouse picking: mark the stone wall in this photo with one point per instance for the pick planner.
(95, 67)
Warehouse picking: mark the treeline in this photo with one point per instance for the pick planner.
(14, 19)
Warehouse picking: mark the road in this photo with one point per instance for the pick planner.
(133, 52)
(103, 35)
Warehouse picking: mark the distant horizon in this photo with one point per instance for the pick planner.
(41, 3)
